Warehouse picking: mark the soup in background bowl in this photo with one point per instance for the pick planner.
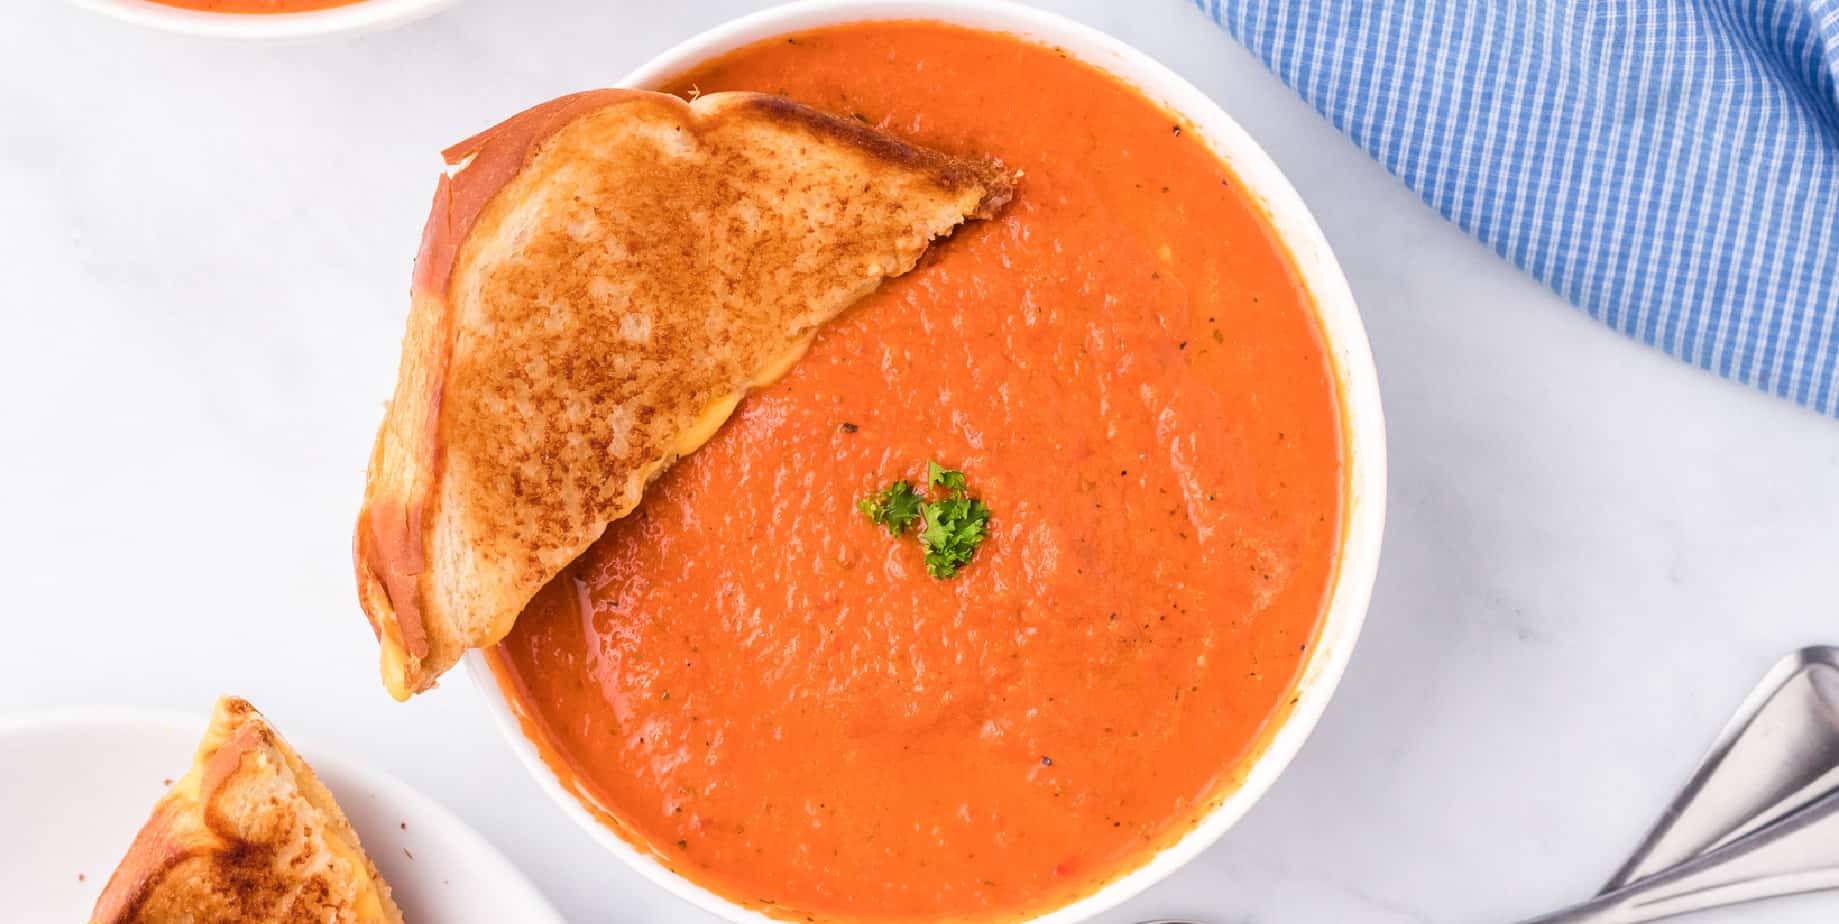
(1149, 367)
(255, 6)
(266, 20)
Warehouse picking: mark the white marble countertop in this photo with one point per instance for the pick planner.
(1593, 551)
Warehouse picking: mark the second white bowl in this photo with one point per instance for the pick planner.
(363, 16)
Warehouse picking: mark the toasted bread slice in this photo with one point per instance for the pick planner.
(248, 836)
(598, 286)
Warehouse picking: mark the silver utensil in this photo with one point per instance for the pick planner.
(1779, 752)
(1759, 819)
(1797, 853)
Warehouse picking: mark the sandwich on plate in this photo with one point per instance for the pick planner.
(248, 836)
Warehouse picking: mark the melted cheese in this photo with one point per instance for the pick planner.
(395, 666)
(771, 372)
(703, 428)
(187, 788)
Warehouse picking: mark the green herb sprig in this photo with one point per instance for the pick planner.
(895, 507)
(955, 525)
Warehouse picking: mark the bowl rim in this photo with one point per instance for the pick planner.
(360, 16)
(1363, 443)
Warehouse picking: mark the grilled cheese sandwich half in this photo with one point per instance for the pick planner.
(248, 836)
(600, 283)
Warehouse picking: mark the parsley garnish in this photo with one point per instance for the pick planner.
(955, 525)
(938, 476)
(954, 529)
(895, 506)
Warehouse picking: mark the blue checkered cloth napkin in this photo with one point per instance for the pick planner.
(1669, 166)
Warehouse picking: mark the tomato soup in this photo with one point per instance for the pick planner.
(765, 690)
(256, 6)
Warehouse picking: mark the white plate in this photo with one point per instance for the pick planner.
(75, 787)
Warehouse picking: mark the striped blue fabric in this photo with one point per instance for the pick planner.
(1669, 166)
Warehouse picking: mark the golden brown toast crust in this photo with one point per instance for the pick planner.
(245, 838)
(598, 285)
(387, 544)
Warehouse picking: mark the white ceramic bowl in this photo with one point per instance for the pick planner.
(364, 16)
(1365, 447)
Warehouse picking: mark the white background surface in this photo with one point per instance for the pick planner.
(1593, 552)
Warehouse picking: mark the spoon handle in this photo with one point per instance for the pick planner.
(1798, 853)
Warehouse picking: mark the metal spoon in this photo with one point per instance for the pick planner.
(1797, 853)
(1759, 819)
(1778, 753)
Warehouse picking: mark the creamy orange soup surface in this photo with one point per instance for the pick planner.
(766, 691)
